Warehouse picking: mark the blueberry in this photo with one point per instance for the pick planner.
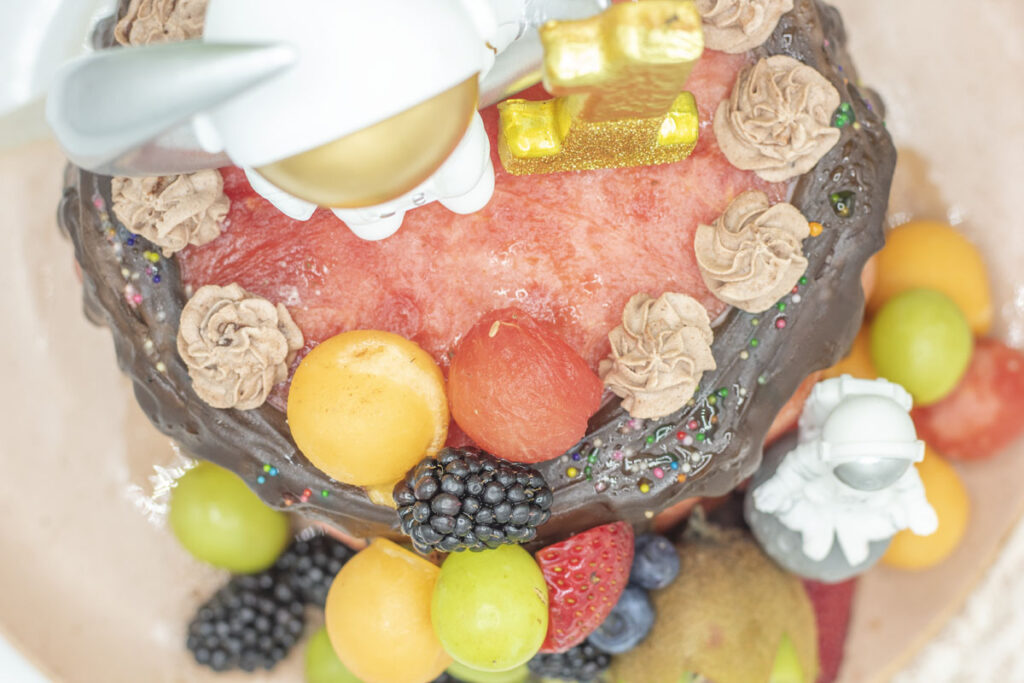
(655, 562)
(627, 624)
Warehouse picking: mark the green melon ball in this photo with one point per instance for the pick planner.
(322, 664)
(221, 522)
(921, 340)
(490, 609)
(467, 675)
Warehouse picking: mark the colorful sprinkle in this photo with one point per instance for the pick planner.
(306, 494)
(803, 280)
(161, 367)
(576, 456)
(755, 322)
(617, 455)
(754, 342)
(712, 400)
(781, 306)
(675, 465)
(151, 256)
(842, 203)
(325, 493)
(816, 228)
(780, 323)
(744, 355)
(645, 486)
(688, 441)
(658, 473)
(588, 472)
(680, 435)
(692, 424)
(762, 380)
(650, 439)
(572, 472)
(701, 437)
(681, 478)
(273, 471)
(844, 115)
(266, 468)
(600, 486)
(797, 298)
(261, 479)
(723, 392)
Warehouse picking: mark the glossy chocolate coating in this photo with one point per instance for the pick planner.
(622, 470)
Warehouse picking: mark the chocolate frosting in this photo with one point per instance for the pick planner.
(625, 468)
(752, 255)
(659, 354)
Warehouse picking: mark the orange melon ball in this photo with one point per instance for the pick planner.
(933, 255)
(946, 493)
(378, 616)
(858, 362)
(366, 406)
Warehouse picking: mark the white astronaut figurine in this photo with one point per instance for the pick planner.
(366, 107)
(828, 507)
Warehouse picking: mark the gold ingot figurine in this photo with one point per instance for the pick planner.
(619, 80)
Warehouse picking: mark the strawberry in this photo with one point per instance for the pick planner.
(832, 604)
(982, 415)
(585, 574)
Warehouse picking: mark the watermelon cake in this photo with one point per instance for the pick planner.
(529, 320)
(570, 249)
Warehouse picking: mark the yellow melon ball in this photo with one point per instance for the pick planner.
(858, 362)
(366, 406)
(945, 493)
(378, 616)
(932, 255)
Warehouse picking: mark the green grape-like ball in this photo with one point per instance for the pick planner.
(322, 664)
(490, 608)
(463, 673)
(221, 522)
(921, 340)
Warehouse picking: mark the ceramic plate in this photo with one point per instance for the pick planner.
(95, 589)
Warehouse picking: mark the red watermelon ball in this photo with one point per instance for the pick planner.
(518, 390)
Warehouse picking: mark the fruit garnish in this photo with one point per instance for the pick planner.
(583, 663)
(946, 494)
(490, 609)
(311, 565)
(322, 665)
(366, 406)
(467, 499)
(921, 340)
(220, 521)
(786, 668)
(585, 576)
(788, 416)
(655, 562)
(251, 623)
(724, 616)
(378, 616)
(463, 673)
(518, 390)
(983, 414)
(933, 255)
(857, 362)
(832, 605)
(628, 623)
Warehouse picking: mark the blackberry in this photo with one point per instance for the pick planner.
(468, 499)
(250, 623)
(311, 562)
(581, 663)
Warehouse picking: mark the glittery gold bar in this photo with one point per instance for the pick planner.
(619, 78)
